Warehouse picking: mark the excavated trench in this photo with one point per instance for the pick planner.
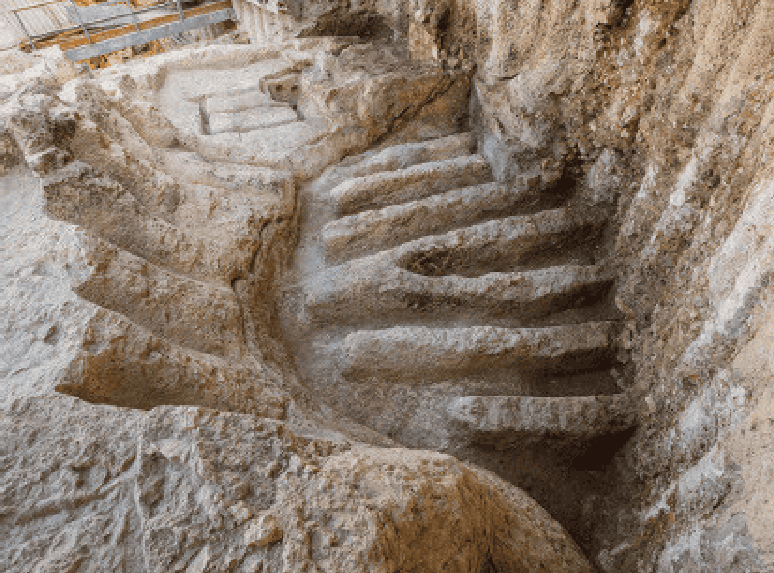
(425, 300)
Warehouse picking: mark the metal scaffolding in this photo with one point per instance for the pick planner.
(82, 37)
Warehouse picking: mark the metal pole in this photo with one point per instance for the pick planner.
(80, 22)
(24, 29)
(180, 10)
(134, 16)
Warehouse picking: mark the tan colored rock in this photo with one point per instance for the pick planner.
(390, 226)
(263, 531)
(128, 486)
(421, 352)
(415, 182)
(250, 120)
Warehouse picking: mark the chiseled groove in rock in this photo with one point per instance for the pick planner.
(125, 365)
(580, 416)
(80, 197)
(500, 241)
(432, 352)
(401, 156)
(396, 224)
(194, 314)
(364, 288)
(416, 182)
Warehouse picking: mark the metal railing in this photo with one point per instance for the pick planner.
(84, 26)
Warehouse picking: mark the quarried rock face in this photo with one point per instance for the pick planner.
(532, 235)
(152, 420)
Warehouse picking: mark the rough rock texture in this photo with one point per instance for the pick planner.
(95, 488)
(538, 169)
(151, 418)
(663, 108)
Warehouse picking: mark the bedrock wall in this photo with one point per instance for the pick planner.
(664, 109)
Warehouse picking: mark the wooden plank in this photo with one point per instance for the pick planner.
(120, 38)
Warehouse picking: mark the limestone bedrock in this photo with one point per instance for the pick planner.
(534, 237)
(152, 418)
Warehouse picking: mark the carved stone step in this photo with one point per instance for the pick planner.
(250, 119)
(391, 226)
(500, 243)
(430, 353)
(416, 182)
(123, 364)
(582, 417)
(239, 102)
(198, 84)
(189, 167)
(355, 291)
(400, 157)
(190, 313)
(263, 146)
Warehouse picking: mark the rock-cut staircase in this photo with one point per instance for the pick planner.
(433, 303)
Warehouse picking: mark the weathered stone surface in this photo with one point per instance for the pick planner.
(175, 262)
(249, 120)
(417, 182)
(239, 102)
(201, 490)
(355, 291)
(420, 352)
(515, 416)
(390, 226)
(657, 115)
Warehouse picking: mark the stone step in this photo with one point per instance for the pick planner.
(186, 116)
(356, 292)
(391, 226)
(419, 352)
(189, 313)
(239, 102)
(201, 84)
(582, 417)
(250, 119)
(267, 146)
(190, 167)
(501, 243)
(80, 196)
(416, 182)
(400, 157)
(123, 364)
